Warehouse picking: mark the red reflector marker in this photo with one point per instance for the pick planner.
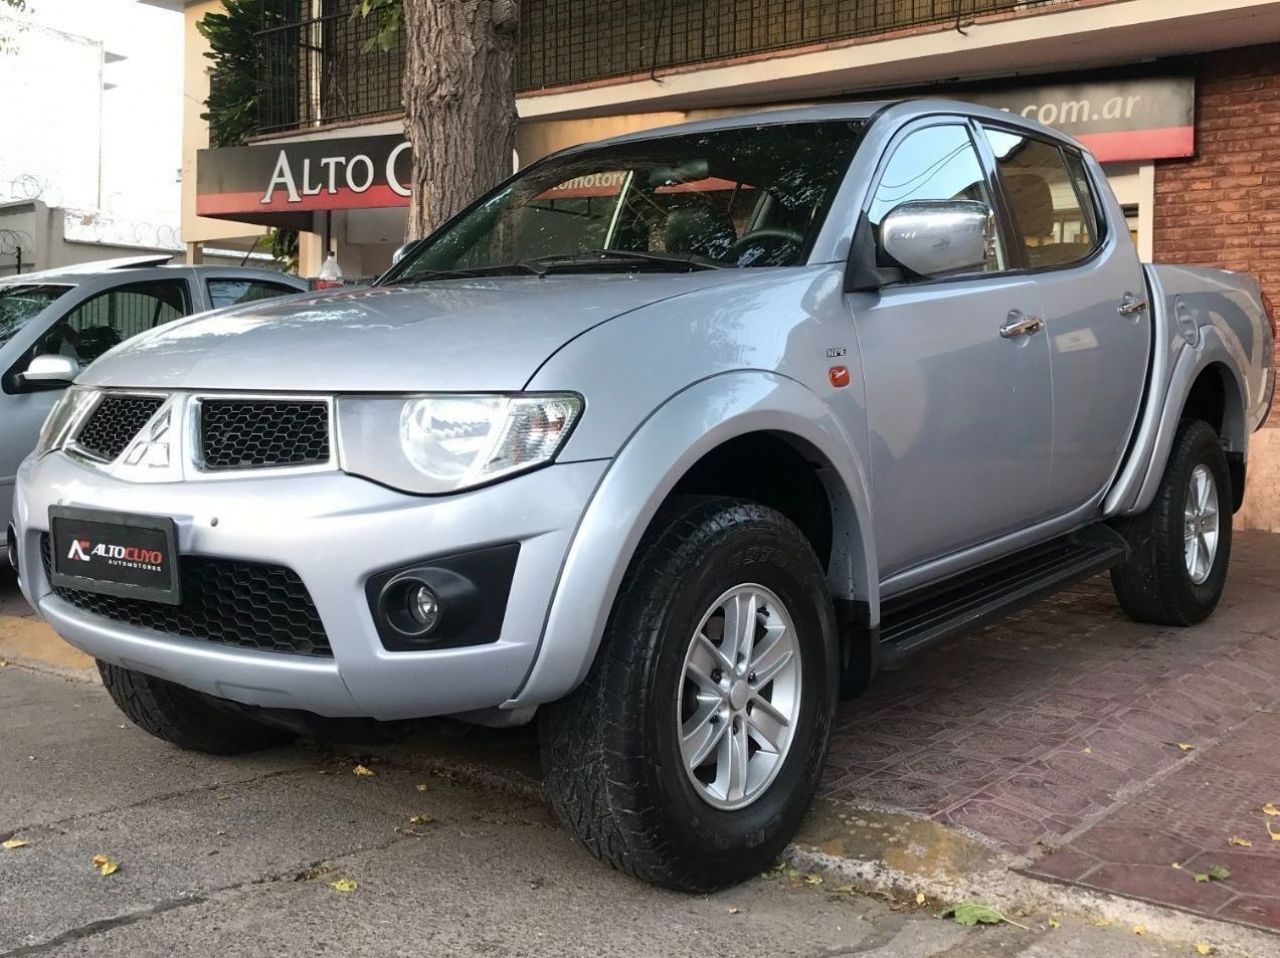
(839, 376)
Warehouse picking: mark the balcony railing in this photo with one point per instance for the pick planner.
(312, 67)
(566, 42)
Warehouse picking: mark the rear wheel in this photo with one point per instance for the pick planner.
(691, 752)
(1182, 544)
(184, 717)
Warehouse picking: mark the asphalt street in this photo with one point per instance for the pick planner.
(248, 856)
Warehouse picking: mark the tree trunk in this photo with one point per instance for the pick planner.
(460, 102)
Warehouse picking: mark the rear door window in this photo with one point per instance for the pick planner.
(1055, 222)
(234, 292)
(111, 317)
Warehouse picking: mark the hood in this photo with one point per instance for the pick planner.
(449, 336)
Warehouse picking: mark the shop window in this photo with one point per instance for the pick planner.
(1051, 204)
(108, 319)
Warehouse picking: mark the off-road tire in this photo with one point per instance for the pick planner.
(610, 749)
(184, 717)
(1154, 585)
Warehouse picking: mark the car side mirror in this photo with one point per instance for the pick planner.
(932, 238)
(51, 369)
(400, 252)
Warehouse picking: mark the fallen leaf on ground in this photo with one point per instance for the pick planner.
(423, 786)
(1218, 873)
(812, 879)
(104, 866)
(343, 885)
(3, 663)
(1102, 923)
(1265, 710)
(13, 843)
(1054, 923)
(919, 898)
(1183, 746)
(1275, 836)
(1139, 929)
(969, 913)
(1087, 751)
(361, 771)
(1241, 842)
(1176, 865)
(1271, 809)
(421, 820)
(1201, 877)
(732, 910)
(1203, 949)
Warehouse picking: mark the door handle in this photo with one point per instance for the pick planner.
(1132, 306)
(1024, 326)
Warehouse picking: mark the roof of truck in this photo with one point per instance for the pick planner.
(900, 110)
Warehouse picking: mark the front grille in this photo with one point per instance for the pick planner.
(112, 426)
(260, 433)
(248, 605)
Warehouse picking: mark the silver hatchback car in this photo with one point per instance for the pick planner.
(80, 312)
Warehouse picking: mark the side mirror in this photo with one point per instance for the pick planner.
(398, 255)
(939, 237)
(51, 369)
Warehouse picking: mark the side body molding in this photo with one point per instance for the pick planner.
(660, 451)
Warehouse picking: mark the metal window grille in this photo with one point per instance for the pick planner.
(312, 68)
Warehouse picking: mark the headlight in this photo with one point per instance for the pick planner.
(444, 443)
(63, 418)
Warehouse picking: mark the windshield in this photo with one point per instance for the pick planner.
(748, 196)
(20, 302)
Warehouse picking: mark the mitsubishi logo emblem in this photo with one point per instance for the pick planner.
(152, 450)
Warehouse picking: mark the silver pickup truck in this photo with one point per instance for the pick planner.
(672, 440)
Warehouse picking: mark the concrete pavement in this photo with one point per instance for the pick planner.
(237, 857)
(1019, 722)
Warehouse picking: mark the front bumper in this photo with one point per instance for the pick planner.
(334, 531)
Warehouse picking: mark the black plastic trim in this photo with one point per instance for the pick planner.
(473, 588)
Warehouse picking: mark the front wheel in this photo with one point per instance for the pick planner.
(1181, 545)
(693, 749)
(183, 717)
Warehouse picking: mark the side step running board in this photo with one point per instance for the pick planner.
(917, 619)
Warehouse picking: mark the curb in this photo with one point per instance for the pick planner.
(29, 643)
(889, 854)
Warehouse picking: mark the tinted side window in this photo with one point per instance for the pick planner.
(1055, 225)
(233, 292)
(110, 318)
(935, 163)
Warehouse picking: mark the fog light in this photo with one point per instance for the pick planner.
(424, 607)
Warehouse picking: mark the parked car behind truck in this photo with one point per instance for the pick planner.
(670, 440)
(79, 312)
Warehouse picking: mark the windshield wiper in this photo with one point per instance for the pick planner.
(594, 257)
(467, 272)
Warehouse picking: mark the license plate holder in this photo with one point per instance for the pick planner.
(122, 554)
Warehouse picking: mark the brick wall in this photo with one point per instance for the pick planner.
(1222, 208)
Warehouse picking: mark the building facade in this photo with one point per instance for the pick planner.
(1180, 99)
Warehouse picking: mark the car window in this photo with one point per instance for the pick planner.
(1056, 227)
(933, 163)
(740, 197)
(233, 292)
(111, 317)
(22, 302)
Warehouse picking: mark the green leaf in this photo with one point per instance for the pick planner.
(1218, 873)
(1200, 877)
(970, 913)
